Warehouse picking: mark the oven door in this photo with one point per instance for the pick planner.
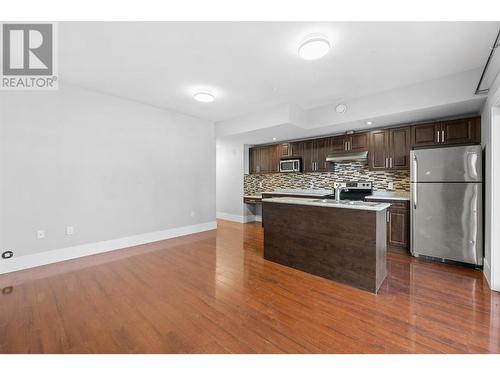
(291, 165)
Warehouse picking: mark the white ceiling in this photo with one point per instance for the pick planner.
(254, 66)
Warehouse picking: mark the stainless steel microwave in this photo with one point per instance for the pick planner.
(290, 165)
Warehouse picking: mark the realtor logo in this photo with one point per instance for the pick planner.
(28, 57)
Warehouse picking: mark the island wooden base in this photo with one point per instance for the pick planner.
(340, 244)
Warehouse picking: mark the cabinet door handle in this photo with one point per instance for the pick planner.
(392, 163)
(388, 216)
(438, 133)
(387, 162)
(442, 136)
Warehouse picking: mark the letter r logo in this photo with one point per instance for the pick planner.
(27, 49)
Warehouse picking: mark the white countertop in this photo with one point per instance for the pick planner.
(315, 202)
(253, 196)
(390, 195)
(318, 192)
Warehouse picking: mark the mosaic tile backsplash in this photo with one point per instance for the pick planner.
(350, 171)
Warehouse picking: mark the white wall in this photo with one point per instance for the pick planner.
(490, 122)
(110, 167)
(231, 166)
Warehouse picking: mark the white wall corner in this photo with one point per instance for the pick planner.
(73, 252)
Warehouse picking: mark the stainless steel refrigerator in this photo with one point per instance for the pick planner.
(447, 203)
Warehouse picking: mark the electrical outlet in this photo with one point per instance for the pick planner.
(70, 230)
(40, 234)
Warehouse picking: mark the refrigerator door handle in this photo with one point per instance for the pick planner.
(415, 196)
(472, 159)
(474, 229)
(414, 178)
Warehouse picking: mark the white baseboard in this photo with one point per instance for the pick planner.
(237, 218)
(230, 217)
(59, 255)
(487, 271)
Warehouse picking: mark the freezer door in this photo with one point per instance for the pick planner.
(446, 221)
(448, 164)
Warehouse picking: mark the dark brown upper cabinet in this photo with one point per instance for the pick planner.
(314, 153)
(389, 149)
(450, 132)
(297, 149)
(254, 159)
(425, 134)
(284, 150)
(264, 159)
(399, 148)
(338, 143)
(349, 142)
(308, 156)
(462, 131)
(378, 155)
(323, 146)
(358, 142)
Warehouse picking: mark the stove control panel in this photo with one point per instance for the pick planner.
(354, 185)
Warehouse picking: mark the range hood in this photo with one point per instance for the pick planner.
(347, 156)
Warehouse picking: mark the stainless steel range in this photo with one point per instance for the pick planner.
(352, 191)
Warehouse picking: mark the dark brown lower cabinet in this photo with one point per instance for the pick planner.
(398, 224)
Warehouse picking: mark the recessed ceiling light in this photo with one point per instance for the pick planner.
(369, 123)
(204, 96)
(274, 138)
(314, 46)
(341, 108)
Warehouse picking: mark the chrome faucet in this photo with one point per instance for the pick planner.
(338, 190)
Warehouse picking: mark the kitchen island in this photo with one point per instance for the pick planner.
(344, 242)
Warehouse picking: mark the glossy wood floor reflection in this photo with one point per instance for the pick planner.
(214, 293)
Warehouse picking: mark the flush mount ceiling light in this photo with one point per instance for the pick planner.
(341, 108)
(369, 123)
(314, 46)
(274, 138)
(204, 96)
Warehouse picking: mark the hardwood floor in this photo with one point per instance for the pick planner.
(214, 293)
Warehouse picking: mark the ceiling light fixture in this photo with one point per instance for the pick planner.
(341, 108)
(203, 96)
(314, 46)
(369, 123)
(274, 138)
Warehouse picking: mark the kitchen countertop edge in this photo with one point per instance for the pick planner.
(311, 202)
